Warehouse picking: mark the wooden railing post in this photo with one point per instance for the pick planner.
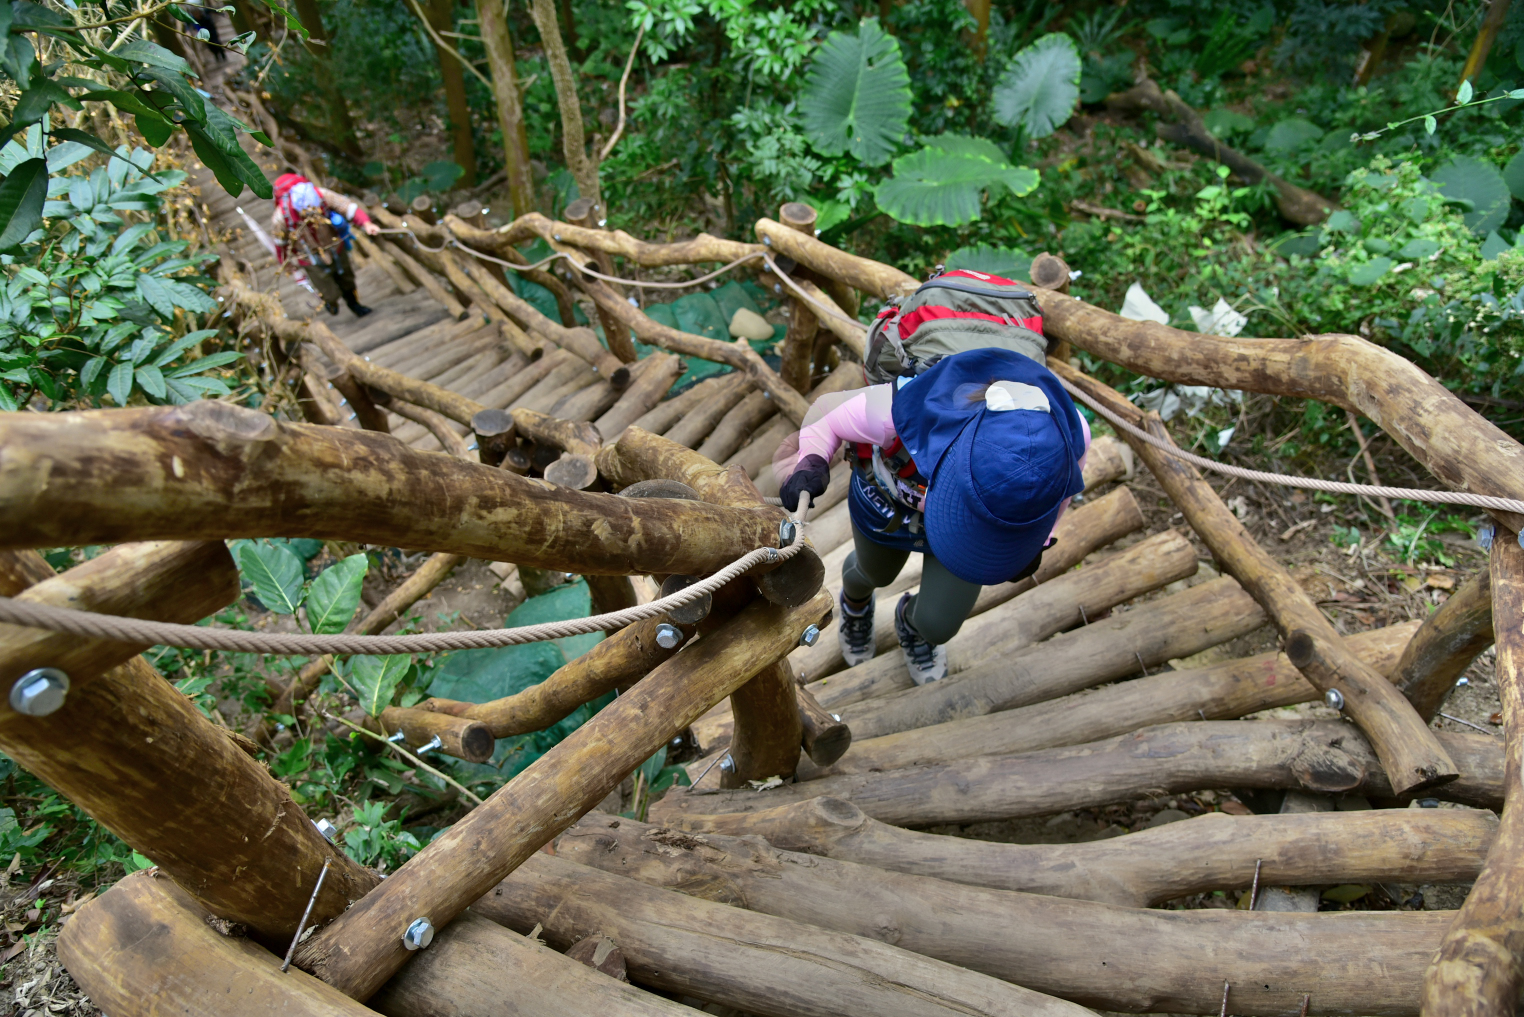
(616, 333)
(1052, 272)
(798, 351)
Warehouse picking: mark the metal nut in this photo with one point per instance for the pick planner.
(787, 531)
(419, 934)
(39, 692)
(1334, 698)
(810, 636)
(668, 636)
(434, 744)
(836, 717)
(327, 829)
(728, 764)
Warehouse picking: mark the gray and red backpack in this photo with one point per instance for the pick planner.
(952, 312)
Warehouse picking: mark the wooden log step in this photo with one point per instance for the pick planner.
(551, 386)
(1214, 851)
(1146, 636)
(474, 388)
(740, 423)
(1104, 956)
(1317, 756)
(443, 332)
(756, 963)
(665, 415)
(697, 423)
(1225, 691)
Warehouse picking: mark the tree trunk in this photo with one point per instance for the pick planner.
(573, 145)
(106, 476)
(752, 962)
(1316, 756)
(1081, 531)
(1144, 869)
(1497, 17)
(980, 9)
(1100, 955)
(143, 761)
(1146, 636)
(1225, 691)
(360, 951)
(452, 75)
(492, 18)
(320, 47)
(1409, 751)
(1450, 639)
(1477, 972)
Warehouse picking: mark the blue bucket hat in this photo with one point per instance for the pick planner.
(999, 441)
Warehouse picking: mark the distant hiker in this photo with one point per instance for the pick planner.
(968, 452)
(312, 225)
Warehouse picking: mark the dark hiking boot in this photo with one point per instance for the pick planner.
(926, 662)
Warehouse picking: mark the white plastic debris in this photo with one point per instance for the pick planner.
(1139, 306)
(1220, 320)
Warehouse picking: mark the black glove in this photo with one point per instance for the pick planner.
(812, 474)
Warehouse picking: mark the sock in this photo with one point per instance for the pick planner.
(852, 606)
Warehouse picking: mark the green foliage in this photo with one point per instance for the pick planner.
(943, 182)
(92, 305)
(1009, 263)
(335, 594)
(378, 842)
(276, 574)
(375, 680)
(1479, 184)
(1040, 88)
(856, 96)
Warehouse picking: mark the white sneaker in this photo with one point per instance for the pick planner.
(925, 661)
(854, 633)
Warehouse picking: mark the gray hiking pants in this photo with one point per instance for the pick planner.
(936, 612)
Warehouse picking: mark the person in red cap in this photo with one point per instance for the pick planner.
(312, 224)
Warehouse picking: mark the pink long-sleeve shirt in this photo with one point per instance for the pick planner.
(867, 416)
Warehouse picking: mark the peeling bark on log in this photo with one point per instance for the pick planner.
(1147, 636)
(1225, 691)
(1410, 753)
(1081, 531)
(145, 949)
(622, 658)
(164, 580)
(1450, 639)
(768, 730)
(661, 370)
(1452, 440)
(753, 962)
(1144, 869)
(104, 476)
(363, 948)
(1317, 756)
(1479, 969)
(863, 274)
(142, 760)
(1100, 955)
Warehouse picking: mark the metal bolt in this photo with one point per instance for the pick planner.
(434, 744)
(327, 829)
(728, 764)
(777, 287)
(39, 692)
(668, 636)
(810, 636)
(556, 235)
(836, 717)
(396, 737)
(1334, 698)
(419, 934)
(768, 241)
(787, 531)
(1462, 682)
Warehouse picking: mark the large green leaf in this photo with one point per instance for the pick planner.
(1471, 179)
(335, 593)
(1038, 90)
(276, 574)
(22, 194)
(1513, 173)
(933, 187)
(1291, 134)
(856, 97)
(1008, 262)
(375, 680)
